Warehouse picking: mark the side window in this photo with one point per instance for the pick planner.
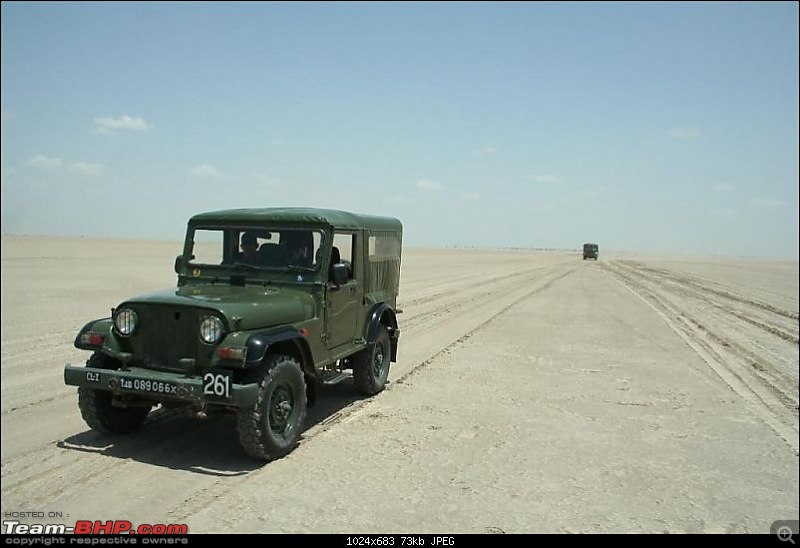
(383, 247)
(343, 242)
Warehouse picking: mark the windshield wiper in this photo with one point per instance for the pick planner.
(243, 265)
(301, 268)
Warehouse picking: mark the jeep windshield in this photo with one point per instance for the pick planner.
(247, 250)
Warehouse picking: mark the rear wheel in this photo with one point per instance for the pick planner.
(271, 428)
(98, 409)
(371, 365)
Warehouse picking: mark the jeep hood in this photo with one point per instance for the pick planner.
(245, 308)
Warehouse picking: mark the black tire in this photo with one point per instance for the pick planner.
(371, 365)
(271, 428)
(98, 410)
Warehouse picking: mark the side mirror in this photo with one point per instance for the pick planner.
(339, 273)
(179, 264)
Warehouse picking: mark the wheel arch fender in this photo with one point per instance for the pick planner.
(288, 340)
(110, 344)
(382, 314)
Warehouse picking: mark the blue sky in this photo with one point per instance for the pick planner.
(665, 127)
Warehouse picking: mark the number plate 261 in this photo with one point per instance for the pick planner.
(217, 385)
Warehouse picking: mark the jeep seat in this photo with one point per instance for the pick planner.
(271, 255)
(294, 241)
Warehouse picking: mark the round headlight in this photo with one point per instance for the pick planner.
(126, 321)
(210, 329)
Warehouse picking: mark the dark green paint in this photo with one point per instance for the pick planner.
(323, 321)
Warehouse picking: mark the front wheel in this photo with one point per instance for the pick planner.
(271, 429)
(371, 365)
(100, 413)
(98, 409)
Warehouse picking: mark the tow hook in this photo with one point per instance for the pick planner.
(200, 413)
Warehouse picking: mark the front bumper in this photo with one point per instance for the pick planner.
(158, 385)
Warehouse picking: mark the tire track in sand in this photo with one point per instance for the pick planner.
(774, 402)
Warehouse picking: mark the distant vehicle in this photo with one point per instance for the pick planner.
(590, 251)
(309, 300)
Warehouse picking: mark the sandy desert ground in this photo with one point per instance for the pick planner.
(534, 392)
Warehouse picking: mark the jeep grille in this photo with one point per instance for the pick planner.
(166, 334)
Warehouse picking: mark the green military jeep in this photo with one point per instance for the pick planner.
(270, 304)
(590, 251)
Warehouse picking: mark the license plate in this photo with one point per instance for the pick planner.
(145, 385)
(217, 385)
